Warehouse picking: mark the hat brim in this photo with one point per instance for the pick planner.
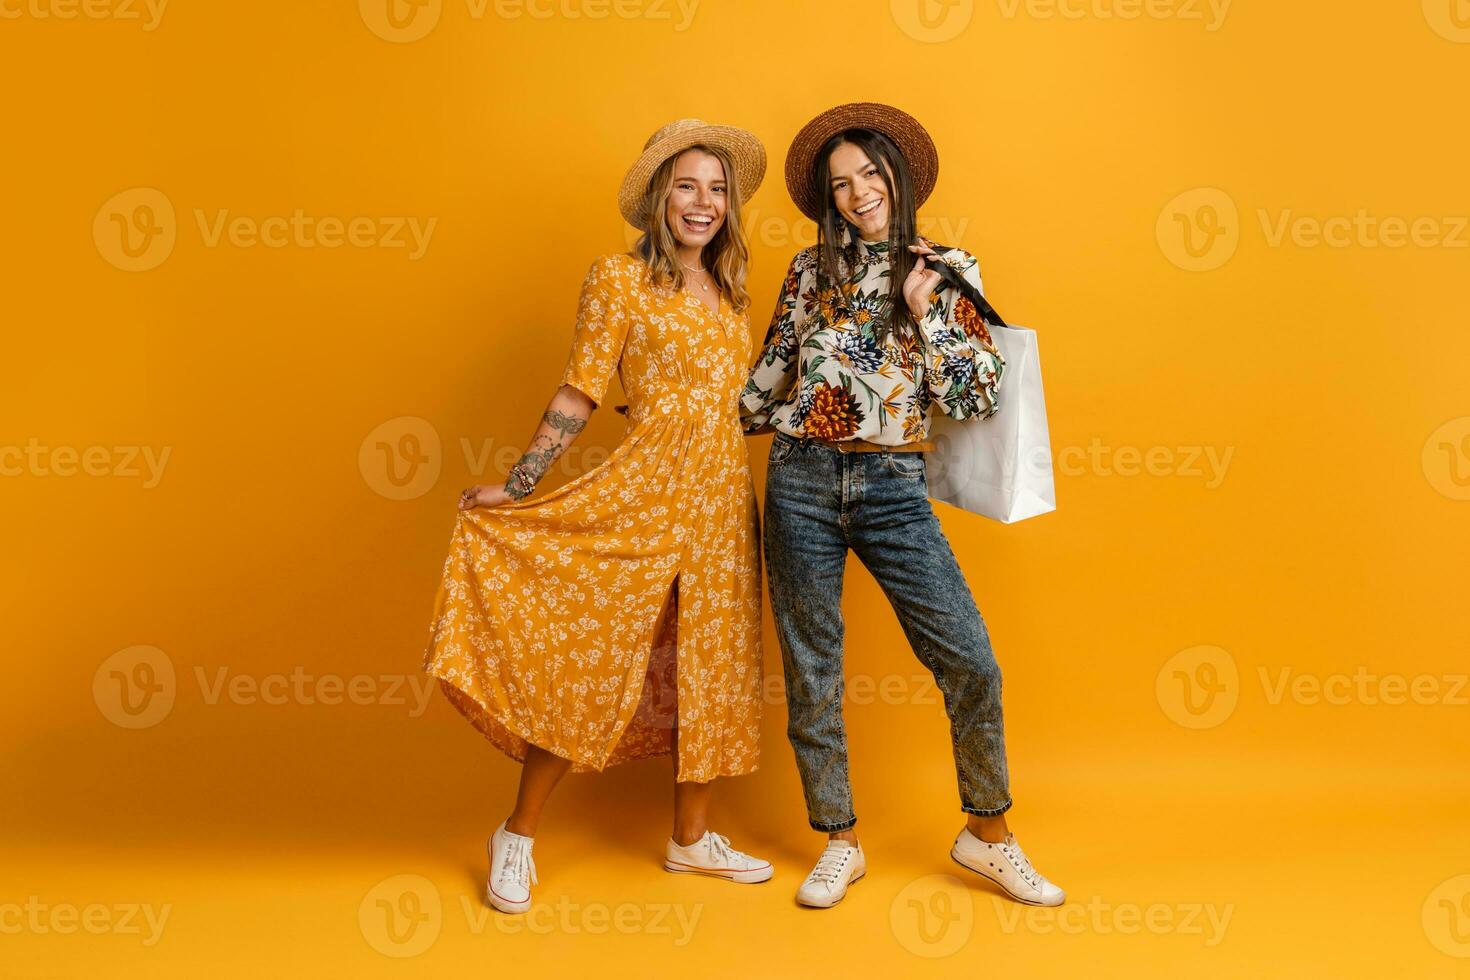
(745, 150)
(912, 139)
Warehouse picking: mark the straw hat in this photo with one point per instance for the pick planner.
(744, 149)
(912, 140)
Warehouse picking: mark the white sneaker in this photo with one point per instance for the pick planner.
(839, 866)
(713, 855)
(512, 871)
(1006, 865)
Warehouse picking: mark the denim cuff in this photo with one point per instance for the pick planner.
(988, 813)
(832, 828)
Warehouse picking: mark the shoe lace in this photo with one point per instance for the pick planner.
(720, 849)
(518, 864)
(1021, 863)
(829, 865)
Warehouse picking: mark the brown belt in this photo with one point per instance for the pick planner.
(864, 446)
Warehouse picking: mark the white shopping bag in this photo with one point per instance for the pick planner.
(999, 467)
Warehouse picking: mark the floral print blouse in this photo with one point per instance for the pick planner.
(825, 374)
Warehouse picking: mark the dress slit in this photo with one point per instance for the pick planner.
(658, 703)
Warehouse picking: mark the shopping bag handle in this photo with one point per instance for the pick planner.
(948, 273)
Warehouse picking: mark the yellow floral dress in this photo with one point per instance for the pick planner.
(544, 624)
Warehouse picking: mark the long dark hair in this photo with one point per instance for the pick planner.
(836, 262)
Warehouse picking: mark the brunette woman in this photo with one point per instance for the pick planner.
(864, 343)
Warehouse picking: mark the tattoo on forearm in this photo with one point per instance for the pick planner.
(516, 488)
(538, 462)
(563, 422)
(531, 467)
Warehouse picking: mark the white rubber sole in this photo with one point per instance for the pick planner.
(954, 854)
(514, 908)
(751, 877)
(839, 898)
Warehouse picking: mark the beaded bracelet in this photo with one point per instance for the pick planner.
(522, 479)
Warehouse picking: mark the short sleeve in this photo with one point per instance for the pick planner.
(601, 329)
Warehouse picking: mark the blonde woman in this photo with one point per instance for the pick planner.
(618, 617)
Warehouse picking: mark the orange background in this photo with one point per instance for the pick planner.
(1076, 150)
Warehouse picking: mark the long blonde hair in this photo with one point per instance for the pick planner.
(727, 256)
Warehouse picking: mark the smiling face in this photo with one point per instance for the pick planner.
(698, 198)
(859, 191)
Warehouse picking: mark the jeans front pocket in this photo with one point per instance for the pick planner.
(909, 465)
(781, 449)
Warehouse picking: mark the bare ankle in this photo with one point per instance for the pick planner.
(992, 830)
(850, 836)
(519, 826)
(684, 836)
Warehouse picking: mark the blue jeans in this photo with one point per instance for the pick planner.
(819, 503)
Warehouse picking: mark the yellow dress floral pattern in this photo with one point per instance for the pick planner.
(544, 624)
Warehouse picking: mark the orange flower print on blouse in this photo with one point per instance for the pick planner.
(973, 323)
(834, 413)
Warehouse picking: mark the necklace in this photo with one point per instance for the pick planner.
(704, 285)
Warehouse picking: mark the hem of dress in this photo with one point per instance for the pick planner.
(513, 740)
(722, 774)
(497, 729)
(508, 736)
